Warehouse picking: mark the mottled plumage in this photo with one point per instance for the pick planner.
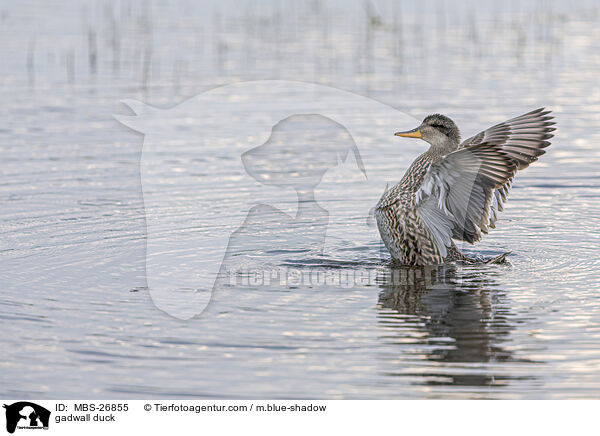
(454, 190)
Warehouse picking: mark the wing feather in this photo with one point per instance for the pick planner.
(523, 137)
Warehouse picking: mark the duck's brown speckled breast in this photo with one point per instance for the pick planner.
(398, 220)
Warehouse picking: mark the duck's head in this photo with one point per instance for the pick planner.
(438, 130)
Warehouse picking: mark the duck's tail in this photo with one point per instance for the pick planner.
(455, 255)
(499, 259)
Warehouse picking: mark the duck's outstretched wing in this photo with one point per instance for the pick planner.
(523, 138)
(461, 195)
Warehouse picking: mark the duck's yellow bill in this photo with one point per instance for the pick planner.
(414, 133)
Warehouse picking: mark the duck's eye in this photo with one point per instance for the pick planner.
(438, 126)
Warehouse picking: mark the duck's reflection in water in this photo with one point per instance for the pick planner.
(446, 325)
